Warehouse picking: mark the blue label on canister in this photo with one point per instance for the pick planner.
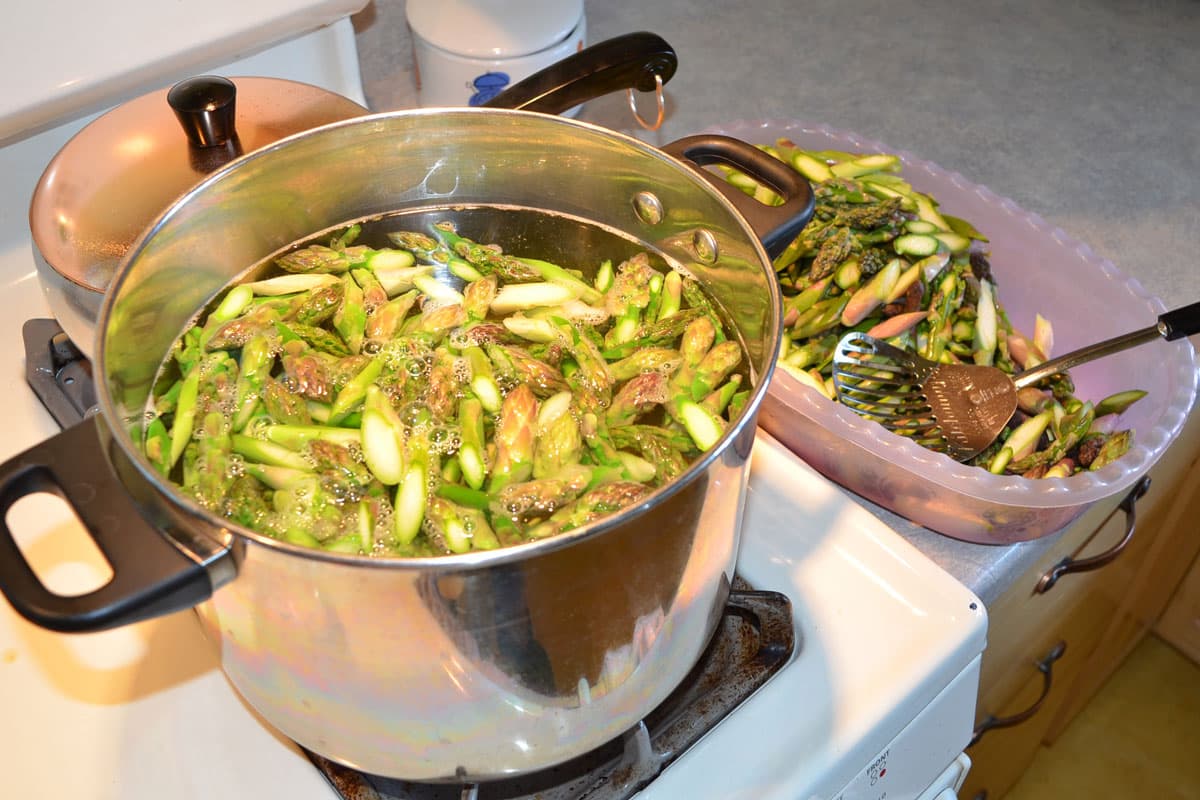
(487, 86)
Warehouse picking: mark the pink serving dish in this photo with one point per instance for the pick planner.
(1038, 269)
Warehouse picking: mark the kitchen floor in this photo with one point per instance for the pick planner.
(1140, 736)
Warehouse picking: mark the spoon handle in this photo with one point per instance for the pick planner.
(1171, 325)
(1180, 322)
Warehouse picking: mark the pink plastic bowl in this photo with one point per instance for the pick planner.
(1038, 269)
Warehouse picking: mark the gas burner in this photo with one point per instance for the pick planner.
(755, 640)
(59, 374)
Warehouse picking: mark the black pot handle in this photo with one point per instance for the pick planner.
(151, 575)
(630, 61)
(776, 226)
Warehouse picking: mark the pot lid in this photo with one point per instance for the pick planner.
(118, 174)
(493, 29)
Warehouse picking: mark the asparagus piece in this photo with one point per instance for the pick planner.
(157, 445)
(384, 321)
(472, 451)
(487, 260)
(382, 438)
(318, 305)
(213, 476)
(478, 296)
(317, 259)
(296, 436)
(290, 284)
(553, 273)
(412, 493)
(669, 452)
(594, 504)
(657, 359)
(672, 295)
(558, 442)
(258, 358)
(637, 396)
(698, 300)
(659, 333)
(483, 380)
(307, 372)
(355, 391)
(283, 406)
(374, 295)
(717, 365)
(514, 439)
(540, 497)
(350, 319)
(261, 451)
(517, 366)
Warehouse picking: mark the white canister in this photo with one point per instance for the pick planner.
(468, 51)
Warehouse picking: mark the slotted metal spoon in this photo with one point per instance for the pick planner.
(960, 409)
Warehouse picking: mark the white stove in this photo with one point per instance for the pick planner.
(877, 699)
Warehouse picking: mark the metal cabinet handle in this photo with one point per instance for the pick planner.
(1069, 565)
(1045, 666)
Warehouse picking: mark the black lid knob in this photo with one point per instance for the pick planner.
(205, 106)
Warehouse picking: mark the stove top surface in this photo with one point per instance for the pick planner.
(145, 712)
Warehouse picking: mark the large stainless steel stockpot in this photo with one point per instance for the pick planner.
(464, 667)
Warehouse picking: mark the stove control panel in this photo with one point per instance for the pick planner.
(930, 745)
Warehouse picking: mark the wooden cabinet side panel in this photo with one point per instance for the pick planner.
(1180, 623)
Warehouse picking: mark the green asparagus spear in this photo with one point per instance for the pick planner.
(514, 438)
(472, 452)
(559, 442)
(350, 319)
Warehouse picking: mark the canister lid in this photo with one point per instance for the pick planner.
(126, 167)
(493, 29)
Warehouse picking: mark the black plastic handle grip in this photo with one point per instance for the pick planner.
(206, 107)
(775, 226)
(630, 61)
(151, 576)
(1180, 322)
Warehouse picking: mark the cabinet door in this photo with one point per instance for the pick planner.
(1140, 584)
(1026, 629)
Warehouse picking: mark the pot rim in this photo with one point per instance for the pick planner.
(458, 561)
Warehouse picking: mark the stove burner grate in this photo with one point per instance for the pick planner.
(59, 374)
(755, 639)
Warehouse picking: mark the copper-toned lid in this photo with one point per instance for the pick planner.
(118, 174)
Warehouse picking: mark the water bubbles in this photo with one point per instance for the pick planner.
(414, 415)
(667, 368)
(372, 347)
(445, 438)
(460, 368)
(506, 382)
(417, 367)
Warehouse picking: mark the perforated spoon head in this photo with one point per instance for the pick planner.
(958, 409)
